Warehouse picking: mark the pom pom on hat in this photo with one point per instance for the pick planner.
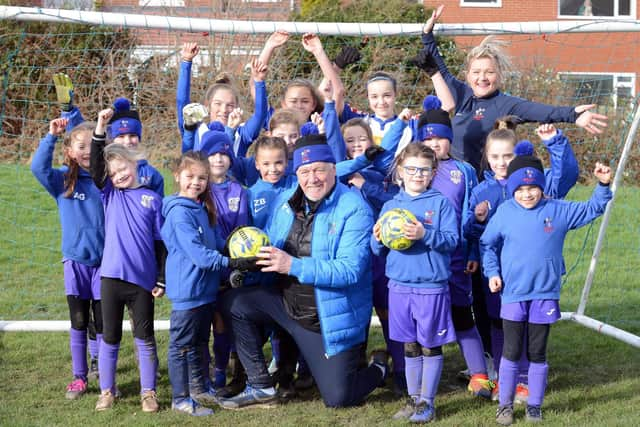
(525, 170)
(431, 102)
(216, 140)
(309, 128)
(523, 148)
(125, 121)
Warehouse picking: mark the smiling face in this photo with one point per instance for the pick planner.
(219, 164)
(192, 181)
(528, 196)
(287, 131)
(79, 148)
(300, 99)
(499, 155)
(382, 98)
(222, 104)
(316, 179)
(356, 139)
(416, 174)
(483, 77)
(123, 173)
(271, 164)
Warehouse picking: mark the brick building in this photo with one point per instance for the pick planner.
(608, 62)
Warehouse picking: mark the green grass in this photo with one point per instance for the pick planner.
(593, 380)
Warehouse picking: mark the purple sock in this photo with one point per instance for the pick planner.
(507, 378)
(93, 348)
(431, 370)
(537, 383)
(472, 351)
(413, 373)
(147, 363)
(221, 349)
(107, 361)
(78, 348)
(497, 342)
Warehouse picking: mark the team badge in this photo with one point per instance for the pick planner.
(146, 200)
(548, 226)
(234, 203)
(304, 156)
(479, 114)
(456, 176)
(332, 228)
(144, 180)
(528, 176)
(428, 217)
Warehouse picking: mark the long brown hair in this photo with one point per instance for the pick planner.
(189, 159)
(71, 175)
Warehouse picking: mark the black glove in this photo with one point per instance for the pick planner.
(244, 264)
(425, 61)
(372, 152)
(347, 56)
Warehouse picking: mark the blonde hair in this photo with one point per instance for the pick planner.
(189, 159)
(270, 142)
(120, 152)
(504, 129)
(492, 48)
(284, 116)
(71, 175)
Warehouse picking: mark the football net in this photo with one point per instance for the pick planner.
(137, 56)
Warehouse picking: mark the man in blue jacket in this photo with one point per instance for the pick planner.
(321, 291)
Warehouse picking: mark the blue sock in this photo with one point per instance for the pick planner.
(431, 371)
(537, 383)
(78, 348)
(147, 363)
(107, 362)
(413, 371)
(472, 350)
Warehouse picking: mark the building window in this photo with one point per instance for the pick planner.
(480, 3)
(603, 89)
(596, 8)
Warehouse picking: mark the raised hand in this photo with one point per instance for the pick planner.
(435, 15)
(57, 126)
(189, 51)
(603, 173)
(546, 131)
(590, 121)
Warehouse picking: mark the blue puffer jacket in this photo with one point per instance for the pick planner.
(340, 265)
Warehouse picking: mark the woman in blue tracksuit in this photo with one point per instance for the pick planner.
(479, 101)
(492, 192)
(522, 257)
(320, 233)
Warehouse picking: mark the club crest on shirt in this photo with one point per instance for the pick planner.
(548, 226)
(259, 204)
(332, 228)
(479, 114)
(234, 203)
(456, 176)
(428, 217)
(146, 200)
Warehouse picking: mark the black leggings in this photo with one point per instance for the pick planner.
(79, 313)
(115, 295)
(537, 337)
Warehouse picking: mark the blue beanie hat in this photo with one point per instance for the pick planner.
(125, 121)
(525, 170)
(431, 102)
(523, 148)
(309, 128)
(434, 124)
(312, 148)
(216, 140)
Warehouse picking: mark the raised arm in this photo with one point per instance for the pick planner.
(312, 43)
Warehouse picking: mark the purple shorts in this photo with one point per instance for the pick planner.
(422, 318)
(380, 290)
(81, 280)
(540, 311)
(459, 281)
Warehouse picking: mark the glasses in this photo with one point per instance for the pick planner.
(319, 172)
(414, 170)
